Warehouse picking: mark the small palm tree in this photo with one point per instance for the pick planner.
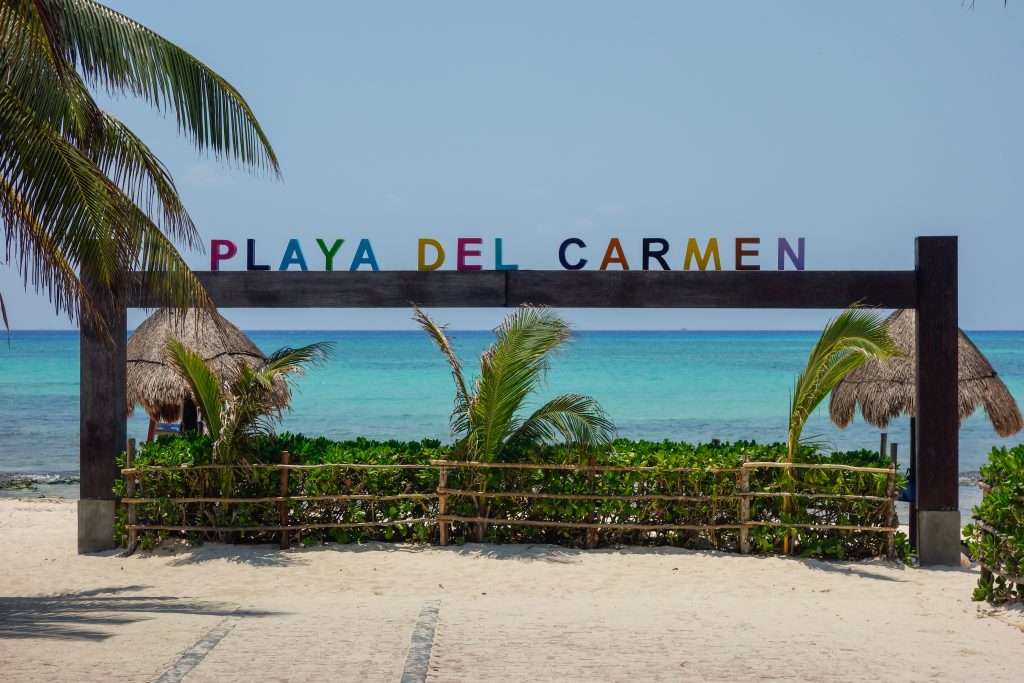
(486, 424)
(849, 340)
(238, 410)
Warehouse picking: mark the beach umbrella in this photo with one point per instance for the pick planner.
(153, 382)
(886, 390)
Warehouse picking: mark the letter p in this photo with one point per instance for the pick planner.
(221, 250)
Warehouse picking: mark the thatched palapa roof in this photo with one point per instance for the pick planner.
(885, 390)
(154, 384)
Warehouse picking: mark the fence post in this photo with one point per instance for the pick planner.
(591, 534)
(129, 489)
(282, 506)
(745, 507)
(986, 573)
(442, 505)
(204, 516)
(890, 504)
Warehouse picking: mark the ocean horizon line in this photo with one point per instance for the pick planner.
(491, 329)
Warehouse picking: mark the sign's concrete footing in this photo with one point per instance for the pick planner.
(95, 525)
(938, 537)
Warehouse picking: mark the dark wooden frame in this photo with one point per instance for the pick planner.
(931, 288)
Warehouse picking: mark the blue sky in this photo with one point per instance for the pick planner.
(857, 126)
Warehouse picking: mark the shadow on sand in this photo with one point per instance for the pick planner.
(89, 615)
(271, 556)
(879, 570)
(252, 555)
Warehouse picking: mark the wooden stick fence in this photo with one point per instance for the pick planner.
(743, 497)
(286, 525)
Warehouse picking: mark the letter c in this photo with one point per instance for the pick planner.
(561, 254)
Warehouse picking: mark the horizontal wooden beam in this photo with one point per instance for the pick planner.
(717, 289)
(345, 289)
(566, 289)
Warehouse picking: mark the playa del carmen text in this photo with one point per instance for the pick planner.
(476, 253)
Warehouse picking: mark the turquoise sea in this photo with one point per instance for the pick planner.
(691, 386)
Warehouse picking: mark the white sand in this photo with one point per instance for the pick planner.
(506, 613)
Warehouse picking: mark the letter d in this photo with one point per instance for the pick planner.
(421, 261)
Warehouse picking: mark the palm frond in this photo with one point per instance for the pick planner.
(81, 220)
(121, 55)
(511, 369)
(486, 424)
(248, 405)
(126, 159)
(576, 419)
(461, 418)
(204, 386)
(29, 26)
(292, 360)
(847, 341)
(102, 204)
(44, 262)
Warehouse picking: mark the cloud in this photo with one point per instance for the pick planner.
(205, 175)
(610, 209)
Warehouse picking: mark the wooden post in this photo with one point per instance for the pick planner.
(189, 415)
(890, 504)
(883, 447)
(204, 516)
(986, 573)
(442, 505)
(937, 487)
(912, 476)
(282, 507)
(745, 508)
(591, 534)
(103, 418)
(129, 489)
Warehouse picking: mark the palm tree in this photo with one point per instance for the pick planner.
(82, 198)
(849, 340)
(236, 411)
(486, 423)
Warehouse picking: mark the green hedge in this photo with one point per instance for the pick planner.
(196, 450)
(1003, 510)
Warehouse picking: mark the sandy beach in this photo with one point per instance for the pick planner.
(217, 613)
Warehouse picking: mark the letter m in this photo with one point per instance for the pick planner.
(693, 252)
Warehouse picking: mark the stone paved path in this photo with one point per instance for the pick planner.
(351, 613)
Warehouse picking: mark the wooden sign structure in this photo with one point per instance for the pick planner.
(931, 288)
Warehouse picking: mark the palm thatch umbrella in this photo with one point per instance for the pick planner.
(885, 390)
(154, 384)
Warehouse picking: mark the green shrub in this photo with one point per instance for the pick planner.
(712, 487)
(256, 482)
(1002, 510)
